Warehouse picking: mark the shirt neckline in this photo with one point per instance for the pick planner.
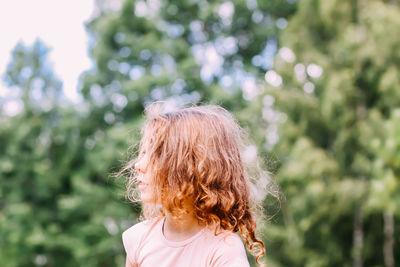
(176, 243)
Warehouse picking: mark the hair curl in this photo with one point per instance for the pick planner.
(195, 154)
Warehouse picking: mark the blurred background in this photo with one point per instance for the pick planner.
(316, 83)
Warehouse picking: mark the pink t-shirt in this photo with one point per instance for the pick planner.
(146, 246)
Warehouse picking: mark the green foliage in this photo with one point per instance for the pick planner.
(178, 51)
(58, 205)
(340, 143)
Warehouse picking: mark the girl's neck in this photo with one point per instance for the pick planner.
(182, 228)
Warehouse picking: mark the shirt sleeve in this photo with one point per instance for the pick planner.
(128, 244)
(131, 240)
(230, 252)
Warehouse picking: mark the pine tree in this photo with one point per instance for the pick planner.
(30, 74)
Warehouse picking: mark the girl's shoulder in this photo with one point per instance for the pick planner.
(137, 232)
(228, 249)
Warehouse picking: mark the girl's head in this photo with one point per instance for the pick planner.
(190, 162)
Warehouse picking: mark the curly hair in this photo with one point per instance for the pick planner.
(195, 156)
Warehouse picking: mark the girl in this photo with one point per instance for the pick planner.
(195, 192)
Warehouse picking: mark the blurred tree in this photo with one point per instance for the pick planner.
(180, 51)
(57, 207)
(335, 89)
(30, 76)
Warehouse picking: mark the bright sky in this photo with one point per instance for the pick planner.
(59, 24)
